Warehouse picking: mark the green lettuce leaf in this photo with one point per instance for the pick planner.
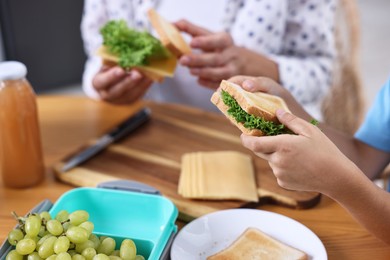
(251, 121)
(134, 48)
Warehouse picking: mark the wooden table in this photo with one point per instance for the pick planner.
(68, 121)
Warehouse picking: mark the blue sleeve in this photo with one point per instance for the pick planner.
(375, 130)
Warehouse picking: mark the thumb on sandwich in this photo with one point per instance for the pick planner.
(258, 84)
(294, 123)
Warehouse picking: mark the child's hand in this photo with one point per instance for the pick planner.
(307, 161)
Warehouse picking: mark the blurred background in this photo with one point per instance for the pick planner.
(375, 45)
(45, 35)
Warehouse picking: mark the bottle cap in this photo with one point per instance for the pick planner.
(10, 70)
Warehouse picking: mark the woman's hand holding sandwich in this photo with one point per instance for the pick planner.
(220, 58)
(115, 85)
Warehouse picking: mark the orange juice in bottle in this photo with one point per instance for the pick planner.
(21, 162)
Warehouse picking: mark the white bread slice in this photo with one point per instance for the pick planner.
(169, 35)
(254, 244)
(157, 70)
(255, 103)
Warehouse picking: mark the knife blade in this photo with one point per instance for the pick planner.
(125, 128)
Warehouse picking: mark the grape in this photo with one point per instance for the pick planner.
(81, 246)
(101, 238)
(47, 248)
(54, 227)
(61, 245)
(72, 252)
(68, 236)
(62, 216)
(89, 253)
(36, 239)
(13, 255)
(72, 246)
(52, 257)
(63, 256)
(115, 253)
(77, 217)
(25, 246)
(127, 250)
(101, 257)
(14, 236)
(32, 226)
(66, 225)
(77, 235)
(35, 214)
(45, 215)
(95, 240)
(43, 231)
(87, 225)
(40, 241)
(34, 256)
(78, 257)
(107, 246)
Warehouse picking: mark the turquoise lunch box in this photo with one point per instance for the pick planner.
(122, 209)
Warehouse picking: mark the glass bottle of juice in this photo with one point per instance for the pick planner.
(21, 161)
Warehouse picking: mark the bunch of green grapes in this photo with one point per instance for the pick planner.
(68, 236)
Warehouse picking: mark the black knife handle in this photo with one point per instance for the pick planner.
(130, 124)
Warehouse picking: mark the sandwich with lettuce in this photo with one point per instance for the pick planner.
(129, 48)
(252, 112)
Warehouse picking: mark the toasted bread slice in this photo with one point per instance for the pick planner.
(169, 35)
(157, 70)
(254, 244)
(255, 103)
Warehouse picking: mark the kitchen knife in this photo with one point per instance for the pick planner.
(114, 135)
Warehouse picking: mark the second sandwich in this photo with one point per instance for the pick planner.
(128, 48)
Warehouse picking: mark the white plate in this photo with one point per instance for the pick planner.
(213, 232)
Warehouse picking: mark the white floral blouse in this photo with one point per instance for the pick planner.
(297, 34)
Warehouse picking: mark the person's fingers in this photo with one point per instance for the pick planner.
(116, 91)
(209, 83)
(258, 84)
(190, 28)
(207, 59)
(239, 79)
(212, 42)
(263, 145)
(133, 94)
(108, 77)
(214, 74)
(294, 123)
(106, 67)
(141, 88)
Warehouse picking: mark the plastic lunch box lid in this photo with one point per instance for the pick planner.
(123, 213)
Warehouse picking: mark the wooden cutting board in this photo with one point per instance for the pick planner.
(152, 155)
